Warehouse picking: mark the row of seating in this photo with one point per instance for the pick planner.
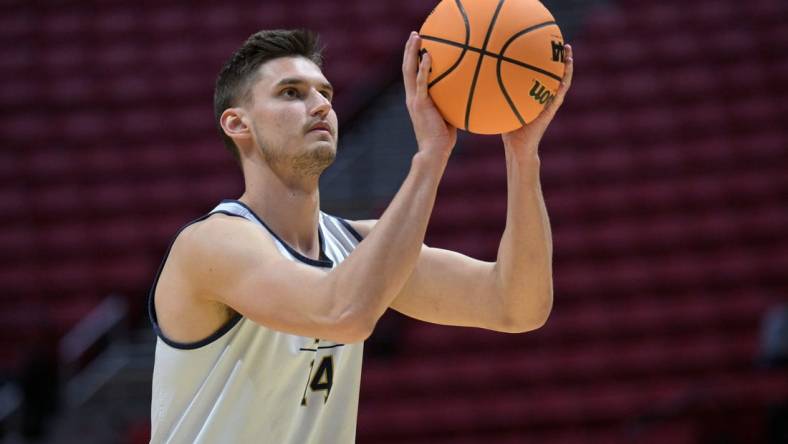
(649, 20)
(575, 323)
(696, 192)
(556, 407)
(171, 19)
(700, 167)
(561, 165)
(482, 367)
(90, 271)
(133, 113)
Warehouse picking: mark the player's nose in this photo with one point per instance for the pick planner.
(320, 105)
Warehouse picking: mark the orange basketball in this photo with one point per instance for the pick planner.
(495, 63)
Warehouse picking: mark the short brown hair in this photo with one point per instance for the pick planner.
(237, 75)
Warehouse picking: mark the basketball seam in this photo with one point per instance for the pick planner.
(500, 62)
(500, 57)
(464, 47)
(479, 63)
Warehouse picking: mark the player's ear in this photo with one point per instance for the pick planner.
(234, 124)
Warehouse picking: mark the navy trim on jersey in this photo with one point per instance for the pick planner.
(324, 262)
(322, 347)
(152, 307)
(350, 228)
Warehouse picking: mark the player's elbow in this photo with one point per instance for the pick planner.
(529, 315)
(349, 320)
(353, 333)
(352, 327)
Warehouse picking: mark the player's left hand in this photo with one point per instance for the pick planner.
(526, 140)
(433, 133)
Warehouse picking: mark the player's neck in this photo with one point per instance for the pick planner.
(289, 208)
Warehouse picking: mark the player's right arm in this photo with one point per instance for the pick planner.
(232, 261)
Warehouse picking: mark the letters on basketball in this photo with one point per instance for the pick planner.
(495, 63)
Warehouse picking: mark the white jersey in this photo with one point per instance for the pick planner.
(250, 384)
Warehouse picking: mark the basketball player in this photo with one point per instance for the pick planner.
(261, 306)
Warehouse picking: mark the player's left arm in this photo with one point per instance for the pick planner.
(450, 288)
(515, 293)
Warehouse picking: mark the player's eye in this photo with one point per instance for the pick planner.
(327, 94)
(291, 93)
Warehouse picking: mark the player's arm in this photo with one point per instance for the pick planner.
(447, 288)
(231, 261)
(515, 293)
(234, 262)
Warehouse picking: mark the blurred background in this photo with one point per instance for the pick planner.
(664, 174)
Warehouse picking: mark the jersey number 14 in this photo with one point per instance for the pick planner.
(323, 378)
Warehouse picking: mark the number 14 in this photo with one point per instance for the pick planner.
(323, 379)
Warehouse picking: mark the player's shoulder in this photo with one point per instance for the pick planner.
(220, 237)
(214, 227)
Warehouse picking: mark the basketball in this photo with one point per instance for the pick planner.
(495, 64)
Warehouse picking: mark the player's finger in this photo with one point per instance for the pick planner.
(570, 70)
(552, 108)
(566, 82)
(408, 65)
(424, 72)
(406, 53)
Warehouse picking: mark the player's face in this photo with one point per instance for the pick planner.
(290, 97)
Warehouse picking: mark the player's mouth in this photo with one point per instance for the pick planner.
(321, 127)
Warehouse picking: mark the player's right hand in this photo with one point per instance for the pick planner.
(433, 133)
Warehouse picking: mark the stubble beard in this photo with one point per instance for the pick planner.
(311, 163)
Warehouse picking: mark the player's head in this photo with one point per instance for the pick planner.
(268, 96)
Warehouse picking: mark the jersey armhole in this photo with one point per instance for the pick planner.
(152, 307)
(350, 228)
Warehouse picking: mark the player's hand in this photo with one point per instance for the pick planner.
(433, 133)
(525, 141)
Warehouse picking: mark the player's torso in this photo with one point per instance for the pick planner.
(259, 382)
(248, 383)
